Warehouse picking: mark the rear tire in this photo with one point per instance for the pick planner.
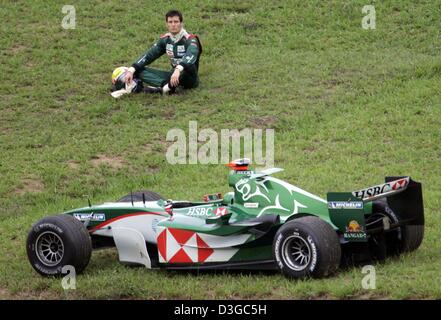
(307, 247)
(409, 237)
(58, 241)
(137, 196)
(413, 237)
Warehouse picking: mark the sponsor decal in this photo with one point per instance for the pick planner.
(182, 246)
(277, 251)
(354, 231)
(221, 211)
(382, 188)
(313, 262)
(400, 184)
(355, 236)
(38, 227)
(251, 205)
(345, 205)
(197, 211)
(354, 226)
(169, 50)
(90, 216)
(155, 225)
(187, 246)
(247, 172)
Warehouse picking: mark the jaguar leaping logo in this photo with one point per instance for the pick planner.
(244, 188)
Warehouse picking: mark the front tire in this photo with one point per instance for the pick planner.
(307, 247)
(58, 241)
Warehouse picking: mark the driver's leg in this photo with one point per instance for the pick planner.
(154, 77)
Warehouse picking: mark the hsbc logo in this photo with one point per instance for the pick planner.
(382, 188)
(204, 211)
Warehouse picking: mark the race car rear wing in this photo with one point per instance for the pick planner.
(408, 203)
(386, 189)
(347, 209)
(404, 196)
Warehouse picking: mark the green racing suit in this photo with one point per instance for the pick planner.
(184, 52)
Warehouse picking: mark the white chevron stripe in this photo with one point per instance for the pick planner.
(172, 245)
(191, 248)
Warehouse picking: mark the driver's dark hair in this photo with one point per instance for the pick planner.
(174, 13)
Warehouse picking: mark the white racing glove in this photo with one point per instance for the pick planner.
(129, 88)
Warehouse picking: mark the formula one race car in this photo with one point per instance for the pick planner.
(264, 223)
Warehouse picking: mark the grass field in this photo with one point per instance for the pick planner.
(349, 106)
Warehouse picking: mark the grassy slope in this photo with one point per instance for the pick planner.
(349, 106)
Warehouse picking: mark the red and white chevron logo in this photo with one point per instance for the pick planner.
(182, 246)
(399, 184)
(220, 211)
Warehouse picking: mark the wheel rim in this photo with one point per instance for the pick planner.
(50, 248)
(296, 252)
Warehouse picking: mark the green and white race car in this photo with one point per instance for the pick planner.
(264, 223)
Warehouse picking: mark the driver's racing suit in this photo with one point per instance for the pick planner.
(183, 51)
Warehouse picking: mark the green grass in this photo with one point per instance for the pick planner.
(348, 106)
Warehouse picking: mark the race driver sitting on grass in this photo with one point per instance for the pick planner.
(183, 50)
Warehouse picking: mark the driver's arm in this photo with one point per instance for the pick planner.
(157, 50)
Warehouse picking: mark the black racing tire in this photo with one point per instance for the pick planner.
(58, 241)
(319, 247)
(410, 237)
(413, 237)
(137, 196)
